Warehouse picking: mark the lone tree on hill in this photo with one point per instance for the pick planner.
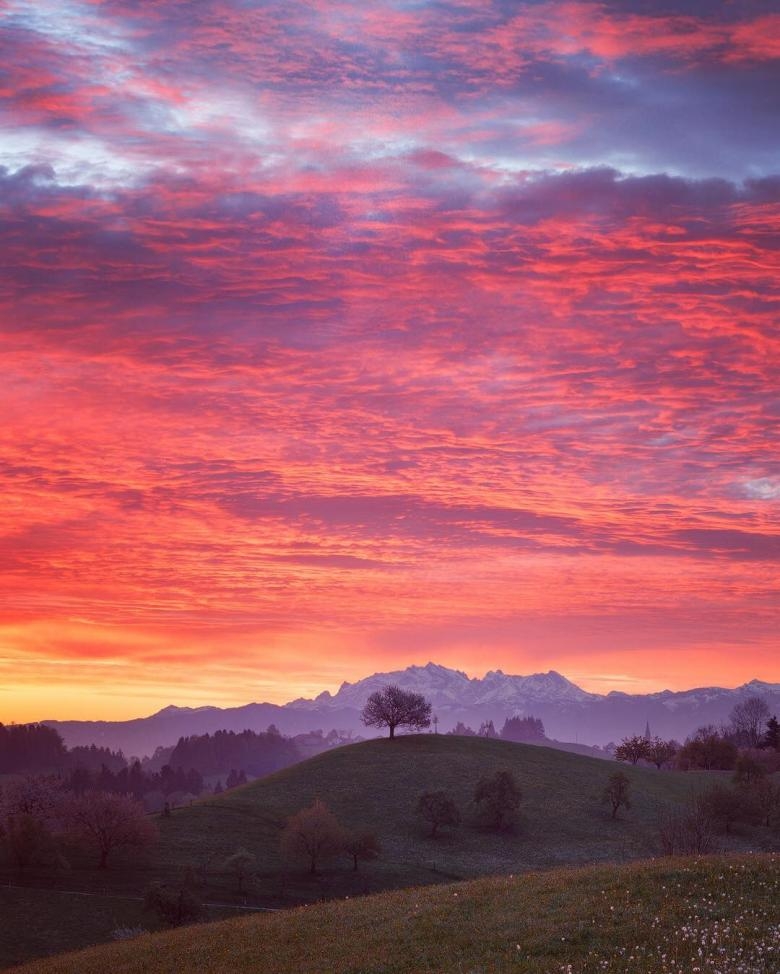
(498, 798)
(394, 707)
(437, 808)
(616, 792)
(313, 834)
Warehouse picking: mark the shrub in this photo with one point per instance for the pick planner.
(174, 906)
(686, 831)
(617, 792)
(437, 808)
(240, 864)
(498, 798)
(725, 806)
(707, 750)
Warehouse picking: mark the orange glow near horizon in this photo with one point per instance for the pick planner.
(336, 340)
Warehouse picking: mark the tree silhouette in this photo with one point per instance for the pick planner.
(393, 707)
(313, 834)
(109, 822)
(616, 792)
(498, 798)
(437, 808)
(747, 720)
(632, 749)
(363, 845)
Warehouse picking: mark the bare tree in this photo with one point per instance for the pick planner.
(747, 721)
(313, 834)
(725, 806)
(437, 808)
(393, 707)
(617, 792)
(686, 831)
(363, 845)
(109, 822)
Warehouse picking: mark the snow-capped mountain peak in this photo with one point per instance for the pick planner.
(448, 687)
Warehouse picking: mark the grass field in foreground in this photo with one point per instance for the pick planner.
(719, 915)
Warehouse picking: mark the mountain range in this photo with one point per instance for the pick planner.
(569, 713)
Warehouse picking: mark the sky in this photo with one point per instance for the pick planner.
(339, 336)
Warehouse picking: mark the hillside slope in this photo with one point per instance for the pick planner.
(370, 786)
(716, 915)
(375, 785)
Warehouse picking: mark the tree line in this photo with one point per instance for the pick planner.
(709, 748)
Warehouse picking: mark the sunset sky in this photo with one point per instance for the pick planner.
(339, 336)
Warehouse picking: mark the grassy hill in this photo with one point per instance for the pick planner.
(375, 785)
(717, 915)
(370, 786)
